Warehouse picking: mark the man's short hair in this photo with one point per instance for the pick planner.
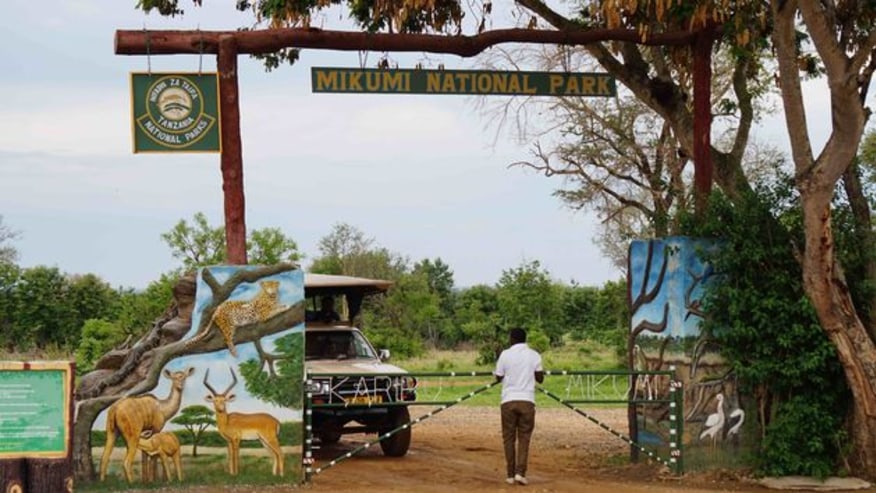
(517, 334)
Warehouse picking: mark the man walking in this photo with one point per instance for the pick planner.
(518, 368)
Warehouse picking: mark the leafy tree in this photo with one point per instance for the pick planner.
(42, 307)
(439, 280)
(90, 297)
(598, 314)
(9, 275)
(398, 320)
(42, 313)
(280, 384)
(8, 253)
(195, 419)
(579, 305)
(841, 35)
(268, 246)
(138, 309)
(529, 298)
(198, 244)
(767, 329)
(97, 338)
(406, 316)
(854, 208)
(867, 162)
(345, 250)
(611, 319)
(477, 314)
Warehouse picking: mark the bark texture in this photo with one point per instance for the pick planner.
(49, 476)
(817, 178)
(13, 474)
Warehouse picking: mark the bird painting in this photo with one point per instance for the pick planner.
(736, 414)
(714, 422)
(643, 382)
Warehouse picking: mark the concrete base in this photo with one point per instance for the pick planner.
(814, 484)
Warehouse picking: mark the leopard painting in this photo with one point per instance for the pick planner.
(231, 314)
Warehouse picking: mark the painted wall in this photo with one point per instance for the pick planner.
(667, 280)
(267, 391)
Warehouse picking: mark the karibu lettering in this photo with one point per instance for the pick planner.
(409, 81)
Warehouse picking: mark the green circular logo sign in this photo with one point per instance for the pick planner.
(175, 114)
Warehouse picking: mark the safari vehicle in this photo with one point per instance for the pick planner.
(339, 347)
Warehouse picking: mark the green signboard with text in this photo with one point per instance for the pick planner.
(35, 418)
(468, 82)
(175, 112)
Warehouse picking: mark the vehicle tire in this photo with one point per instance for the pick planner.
(328, 437)
(398, 444)
(329, 432)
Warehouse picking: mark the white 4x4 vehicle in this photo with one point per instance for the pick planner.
(373, 400)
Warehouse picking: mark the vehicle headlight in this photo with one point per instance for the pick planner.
(318, 387)
(405, 383)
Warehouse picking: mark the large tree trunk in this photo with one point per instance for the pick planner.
(83, 465)
(865, 235)
(832, 301)
(816, 180)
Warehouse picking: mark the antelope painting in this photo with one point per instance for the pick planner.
(234, 427)
(131, 416)
(164, 445)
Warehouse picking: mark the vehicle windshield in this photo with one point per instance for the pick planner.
(336, 344)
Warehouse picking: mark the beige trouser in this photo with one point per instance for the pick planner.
(518, 421)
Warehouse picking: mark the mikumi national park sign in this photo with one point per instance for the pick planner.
(468, 82)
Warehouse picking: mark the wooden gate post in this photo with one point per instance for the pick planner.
(232, 152)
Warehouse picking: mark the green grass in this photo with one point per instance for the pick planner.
(203, 470)
(583, 355)
(211, 469)
(290, 434)
(578, 355)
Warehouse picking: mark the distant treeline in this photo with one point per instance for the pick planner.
(45, 312)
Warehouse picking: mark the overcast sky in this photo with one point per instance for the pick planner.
(423, 175)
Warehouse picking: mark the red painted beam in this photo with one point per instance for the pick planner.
(142, 42)
(702, 131)
(232, 153)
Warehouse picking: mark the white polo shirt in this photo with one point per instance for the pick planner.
(517, 366)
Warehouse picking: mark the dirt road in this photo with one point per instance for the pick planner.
(460, 450)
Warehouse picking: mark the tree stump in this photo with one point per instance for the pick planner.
(12, 476)
(50, 476)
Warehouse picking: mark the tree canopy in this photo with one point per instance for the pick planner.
(8, 253)
(198, 244)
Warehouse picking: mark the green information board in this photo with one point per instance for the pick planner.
(421, 81)
(34, 410)
(175, 112)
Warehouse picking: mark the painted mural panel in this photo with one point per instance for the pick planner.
(228, 409)
(667, 280)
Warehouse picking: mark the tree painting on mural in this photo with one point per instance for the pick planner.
(238, 327)
(667, 280)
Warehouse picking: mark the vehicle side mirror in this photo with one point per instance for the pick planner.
(383, 354)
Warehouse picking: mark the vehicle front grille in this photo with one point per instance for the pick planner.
(371, 389)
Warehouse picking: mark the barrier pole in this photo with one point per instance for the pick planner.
(676, 425)
(400, 428)
(307, 457)
(605, 427)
